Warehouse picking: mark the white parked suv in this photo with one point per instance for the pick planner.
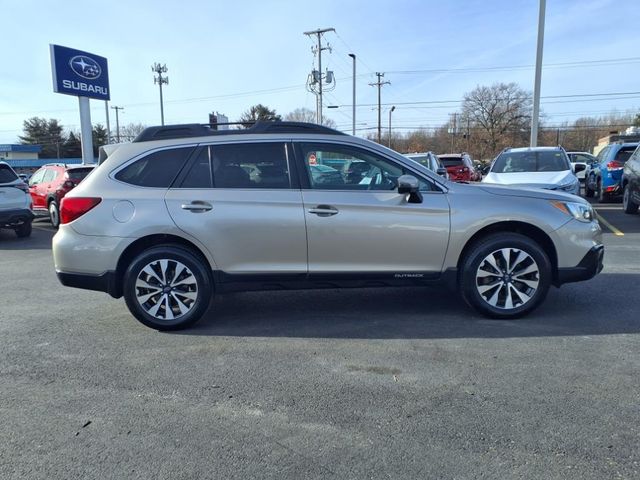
(184, 212)
(15, 202)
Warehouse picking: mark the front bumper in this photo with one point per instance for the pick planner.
(589, 267)
(15, 217)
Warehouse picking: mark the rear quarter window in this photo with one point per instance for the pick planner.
(157, 169)
(7, 174)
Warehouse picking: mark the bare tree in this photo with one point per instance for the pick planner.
(129, 132)
(500, 115)
(308, 116)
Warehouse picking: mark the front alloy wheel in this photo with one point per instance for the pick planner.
(167, 288)
(507, 278)
(505, 275)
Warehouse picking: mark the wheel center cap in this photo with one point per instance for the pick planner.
(166, 289)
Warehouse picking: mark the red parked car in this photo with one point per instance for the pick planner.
(51, 183)
(460, 167)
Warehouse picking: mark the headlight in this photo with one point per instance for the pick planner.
(580, 211)
(569, 187)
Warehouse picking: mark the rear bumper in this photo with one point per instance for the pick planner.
(588, 268)
(105, 282)
(15, 217)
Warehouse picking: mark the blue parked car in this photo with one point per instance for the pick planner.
(603, 179)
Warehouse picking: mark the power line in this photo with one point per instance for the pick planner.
(602, 63)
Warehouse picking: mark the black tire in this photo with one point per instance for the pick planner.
(24, 230)
(628, 205)
(587, 191)
(509, 285)
(54, 213)
(602, 198)
(197, 275)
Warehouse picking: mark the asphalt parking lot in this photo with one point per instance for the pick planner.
(394, 383)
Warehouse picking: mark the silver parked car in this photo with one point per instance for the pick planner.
(15, 202)
(184, 212)
(431, 161)
(538, 167)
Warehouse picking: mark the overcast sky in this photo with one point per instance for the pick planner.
(227, 56)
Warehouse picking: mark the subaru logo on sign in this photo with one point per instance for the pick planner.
(79, 73)
(86, 67)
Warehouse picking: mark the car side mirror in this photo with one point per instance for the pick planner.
(442, 172)
(408, 184)
(578, 168)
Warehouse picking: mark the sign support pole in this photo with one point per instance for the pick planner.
(86, 137)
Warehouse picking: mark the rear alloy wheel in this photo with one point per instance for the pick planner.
(505, 276)
(628, 205)
(54, 214)
(24, 230)
(167, 288)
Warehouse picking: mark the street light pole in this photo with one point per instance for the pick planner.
(353, 107)
(538, 78)
(390, 112)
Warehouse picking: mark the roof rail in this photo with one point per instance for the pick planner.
(204, 130)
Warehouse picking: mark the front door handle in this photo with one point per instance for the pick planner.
(323, 210)
(197, 206)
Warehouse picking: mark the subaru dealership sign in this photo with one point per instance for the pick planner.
(79, 73)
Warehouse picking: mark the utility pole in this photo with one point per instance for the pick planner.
(454, 127)
(468, 133)
(379, 84)
(538, 77)
(353, 107)
(160, 69)
(319, 49)
(117, 123)
(106, 112)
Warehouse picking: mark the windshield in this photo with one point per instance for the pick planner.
(78, 174)
(451, 162)
(624, 153)
(542, 161)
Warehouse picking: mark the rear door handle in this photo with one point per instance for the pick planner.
(324, 210)
(197, 206)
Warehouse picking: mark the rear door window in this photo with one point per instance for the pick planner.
(157, 169)
(49, 175)
(263, 165)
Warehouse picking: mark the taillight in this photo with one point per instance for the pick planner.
(614, 165)
(23, 186)
(72, 208)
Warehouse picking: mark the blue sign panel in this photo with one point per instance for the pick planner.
(79, 73)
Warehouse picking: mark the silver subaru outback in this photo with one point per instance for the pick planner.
(184, 212)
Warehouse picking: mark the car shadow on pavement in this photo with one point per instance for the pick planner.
(40, 238)
(395, 313)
